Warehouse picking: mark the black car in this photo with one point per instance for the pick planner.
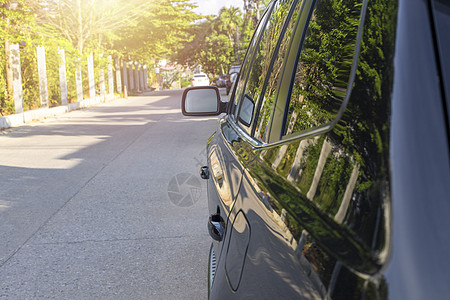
(329, 173)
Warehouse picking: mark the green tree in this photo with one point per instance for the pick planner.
(87, 23)
(229, 22)
(215, 42)
(161, 32)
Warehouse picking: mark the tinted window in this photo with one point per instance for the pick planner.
(264, 50)
(323, 70)
(266, 91)
(248, 60)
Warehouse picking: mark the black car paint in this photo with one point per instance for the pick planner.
(386, 157)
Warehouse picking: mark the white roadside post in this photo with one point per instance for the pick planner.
(131, 76)
(102, 85)
(79, 82)
(63, 77)
(90, 60)
(126, 87)
(145, 77)
(118, 77)
(14, 61)
(42, 72)
(110, 77)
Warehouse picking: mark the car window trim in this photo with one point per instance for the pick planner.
(234, 110)
(328, 126)
(272, 62)
(278, 111)
(268, 11)
(258, 145)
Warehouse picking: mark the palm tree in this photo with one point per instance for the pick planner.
(230, 20)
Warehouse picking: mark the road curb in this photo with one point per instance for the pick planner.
(29, 116)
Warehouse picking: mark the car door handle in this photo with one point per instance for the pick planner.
(216, 227)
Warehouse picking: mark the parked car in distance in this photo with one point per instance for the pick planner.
(200, 79)
(329, 172)
(220, 81)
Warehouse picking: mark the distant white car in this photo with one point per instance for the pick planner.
(200, 79)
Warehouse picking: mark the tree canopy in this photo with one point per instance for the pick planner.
(138, 30)
(141, 29)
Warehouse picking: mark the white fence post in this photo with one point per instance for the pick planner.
(62, 77)
(42, 72)
(125, 76)
(110, 77)
(118, 77)
(90, 61)
(131, 76)
(14, 61)
(79, 82)
(136, 77)
(141, 77)
(145, 77)
(102, 84)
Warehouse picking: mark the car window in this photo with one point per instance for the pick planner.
(323, 70)
(261, 61)
(248, 61)
(269, 89)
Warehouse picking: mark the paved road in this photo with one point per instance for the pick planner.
(85, 211)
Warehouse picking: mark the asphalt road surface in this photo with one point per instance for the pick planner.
(106, 203)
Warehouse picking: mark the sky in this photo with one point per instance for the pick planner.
(212, 7)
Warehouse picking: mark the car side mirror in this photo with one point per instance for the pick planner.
(202, 101)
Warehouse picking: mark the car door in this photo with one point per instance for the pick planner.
(279, 21)
(225, 170)
(309, 220)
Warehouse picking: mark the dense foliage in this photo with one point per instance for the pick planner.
(139, 30)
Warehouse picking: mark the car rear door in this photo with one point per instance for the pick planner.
(309, 216)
